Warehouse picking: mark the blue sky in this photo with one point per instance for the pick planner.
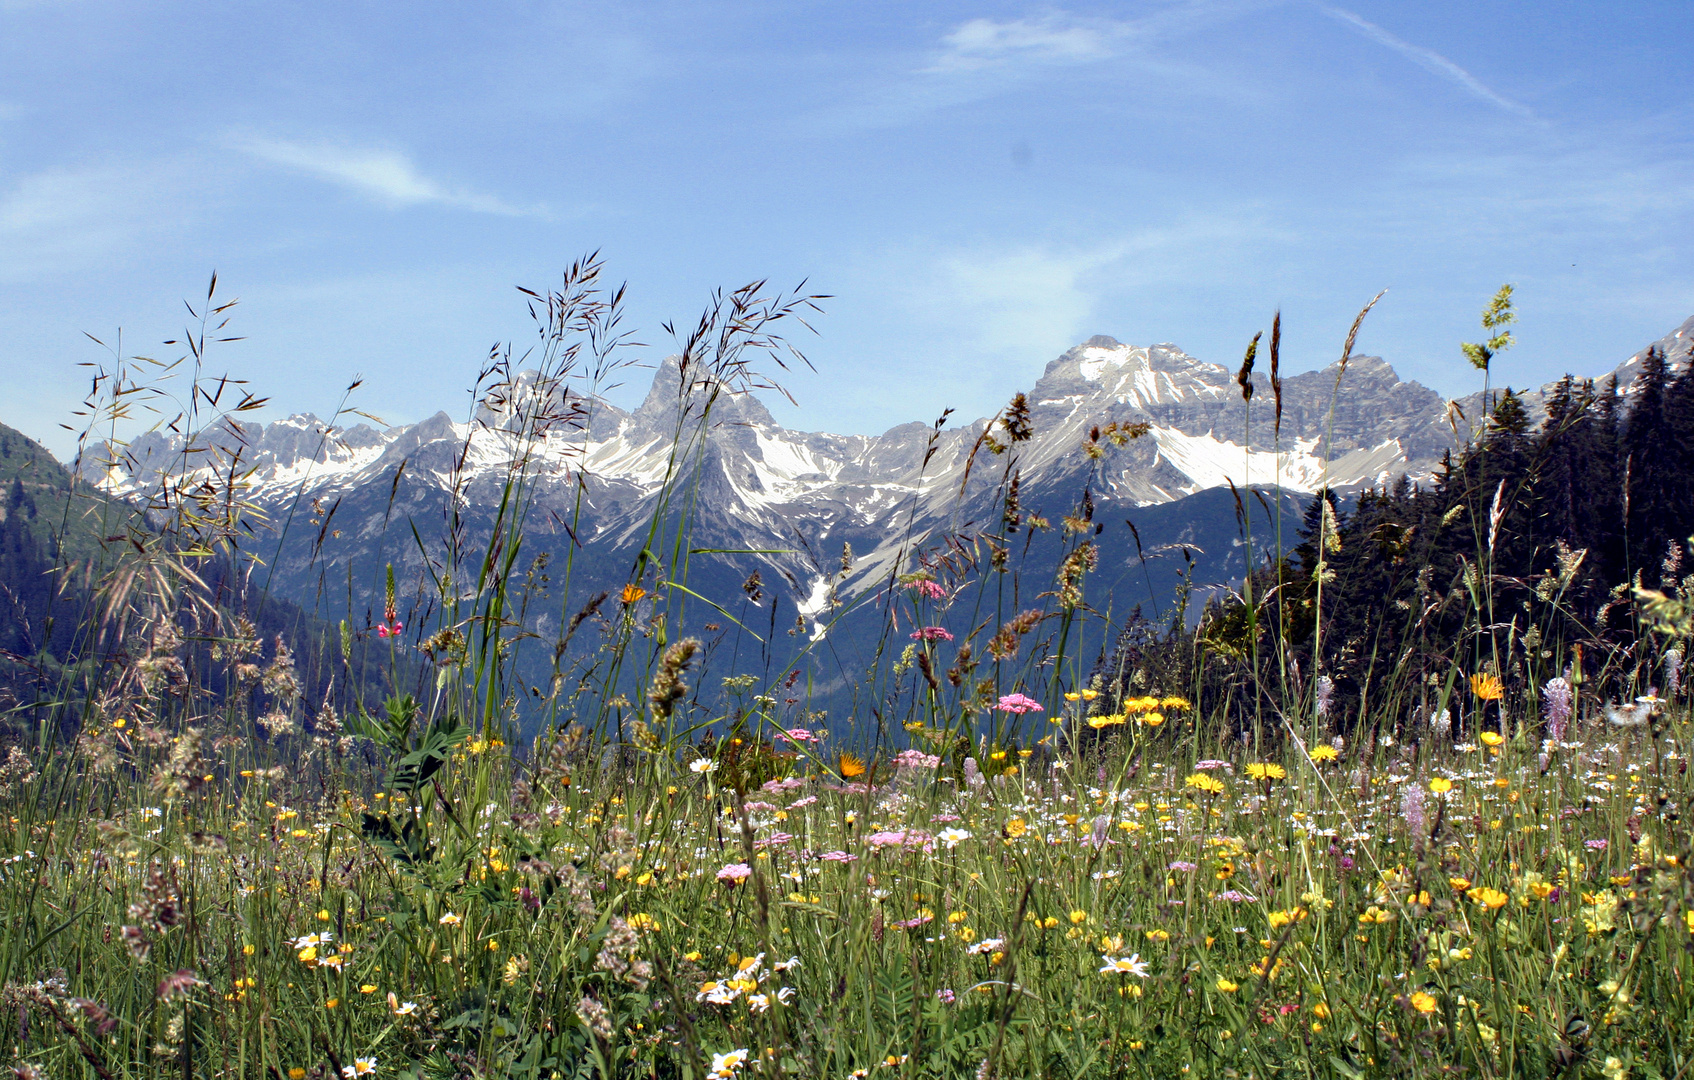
(979, 185)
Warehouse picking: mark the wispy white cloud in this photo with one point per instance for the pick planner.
(1054, 38)
(386, 175)
(1428, 59)
(983, 57)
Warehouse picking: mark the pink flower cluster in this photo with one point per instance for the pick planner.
(390, 629)
(932, 633)
(735, 873)
(928, 588)
(1020, 703)
(916, 759)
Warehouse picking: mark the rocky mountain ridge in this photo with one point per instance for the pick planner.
(764, 488)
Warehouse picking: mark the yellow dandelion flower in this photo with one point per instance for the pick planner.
(1205, 782)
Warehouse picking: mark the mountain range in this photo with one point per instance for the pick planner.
(800, 496)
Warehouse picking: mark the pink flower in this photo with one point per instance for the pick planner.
(799, 735)
(931, 633)
(915, 759)
(885, 839)
(838, 856)
(390, 629)
(1020, 703)
(735, 873)
(930, 589)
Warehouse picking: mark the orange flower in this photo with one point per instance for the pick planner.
(851, 766)
(1487, 687)
(632, 593)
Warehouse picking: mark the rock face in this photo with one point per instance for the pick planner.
(794, 498)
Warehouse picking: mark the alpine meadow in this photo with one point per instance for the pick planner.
(496, 749)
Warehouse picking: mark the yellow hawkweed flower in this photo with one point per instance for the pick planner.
(1266, 771)
(1324, 752)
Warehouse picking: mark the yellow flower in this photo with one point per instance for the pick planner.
(1459, 884)
(1098, 722)
(1015, 828)
(1441, 785)
(1283, 918)
(1205, 782)
(1153, 719)
(1487, 687)
(1266, 771)
(1492, 899)
(643, 921)
(1491, 738)
(450, 919)
(1078, 917)
(1422, 1002)
(1226, 986)
(1324, 752)
(296, 1073)
(368, 988)
(1175, 704)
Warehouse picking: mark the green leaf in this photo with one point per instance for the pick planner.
(415, 769)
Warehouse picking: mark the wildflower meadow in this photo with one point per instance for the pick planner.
(1052, 840)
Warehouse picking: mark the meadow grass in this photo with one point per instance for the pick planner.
(207, 874)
